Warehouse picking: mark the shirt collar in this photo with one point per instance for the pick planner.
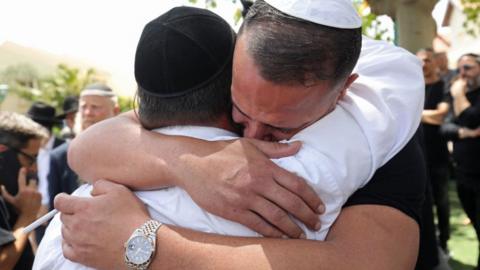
(199, 132)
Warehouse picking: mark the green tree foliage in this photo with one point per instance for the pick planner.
(471, 9)
(125, 103)
(22, 79)
(208, 3)
(371, 25)
(65, 81)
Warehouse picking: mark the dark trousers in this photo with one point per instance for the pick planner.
(439, 181)
(469, 196)
(428, 251)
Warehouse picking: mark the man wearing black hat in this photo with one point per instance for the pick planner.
(275, 253)
(70, 108)
(44, 114)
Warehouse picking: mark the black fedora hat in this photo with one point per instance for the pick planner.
(43, 114)
(70, 105)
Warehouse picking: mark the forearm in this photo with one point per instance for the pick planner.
(433, 117)
(193, 250)
(121, 150)
(10, 254)
(394, 245)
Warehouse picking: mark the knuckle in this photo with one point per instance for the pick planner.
(68, 252)
(74, 226)
(278, 216)
(296, 205)
(298, 186)
(256, 224)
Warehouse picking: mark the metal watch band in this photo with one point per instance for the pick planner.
(149, 229)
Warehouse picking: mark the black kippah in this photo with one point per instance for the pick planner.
(183, 50)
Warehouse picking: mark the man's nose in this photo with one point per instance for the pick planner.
(87, 111)
(254, 130)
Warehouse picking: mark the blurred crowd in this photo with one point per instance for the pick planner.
(34, 168)
(451, 135)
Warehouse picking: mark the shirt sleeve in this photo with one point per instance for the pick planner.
(387, 98)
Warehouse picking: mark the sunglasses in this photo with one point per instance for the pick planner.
(31, 159)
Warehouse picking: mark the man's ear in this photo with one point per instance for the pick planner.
(116, 110)
(346, 85)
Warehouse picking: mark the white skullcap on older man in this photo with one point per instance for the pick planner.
(333, 13)
(97, 90)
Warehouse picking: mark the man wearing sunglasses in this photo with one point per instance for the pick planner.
(462, 126)
(20, 141)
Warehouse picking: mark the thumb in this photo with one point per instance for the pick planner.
(277, 149)
(8, 197)
(101, 187)
(22, 178)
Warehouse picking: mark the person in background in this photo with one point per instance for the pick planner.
(20, 140)
(97, 103)
(442, 69)
(70, 109)
(462, 126)
(44, 115)
(436, 152)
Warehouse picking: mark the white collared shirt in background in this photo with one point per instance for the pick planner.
(43, 168)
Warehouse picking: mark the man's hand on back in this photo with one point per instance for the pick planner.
(94, 230)
(240, 183)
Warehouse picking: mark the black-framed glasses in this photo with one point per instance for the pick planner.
(32, 159)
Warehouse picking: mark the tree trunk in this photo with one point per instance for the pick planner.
(413, 18)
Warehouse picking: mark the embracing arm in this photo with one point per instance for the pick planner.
(382, 238)
(232, 179)
(119, 148)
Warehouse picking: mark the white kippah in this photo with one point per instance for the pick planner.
(333, 13)
(96, 92)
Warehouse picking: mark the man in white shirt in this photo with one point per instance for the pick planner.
(44, 115)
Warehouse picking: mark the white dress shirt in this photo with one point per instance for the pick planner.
(43, 167)
(339, 155)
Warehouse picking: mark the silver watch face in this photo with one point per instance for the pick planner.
(139, 249)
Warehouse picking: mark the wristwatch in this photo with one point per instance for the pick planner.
(140, 247)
